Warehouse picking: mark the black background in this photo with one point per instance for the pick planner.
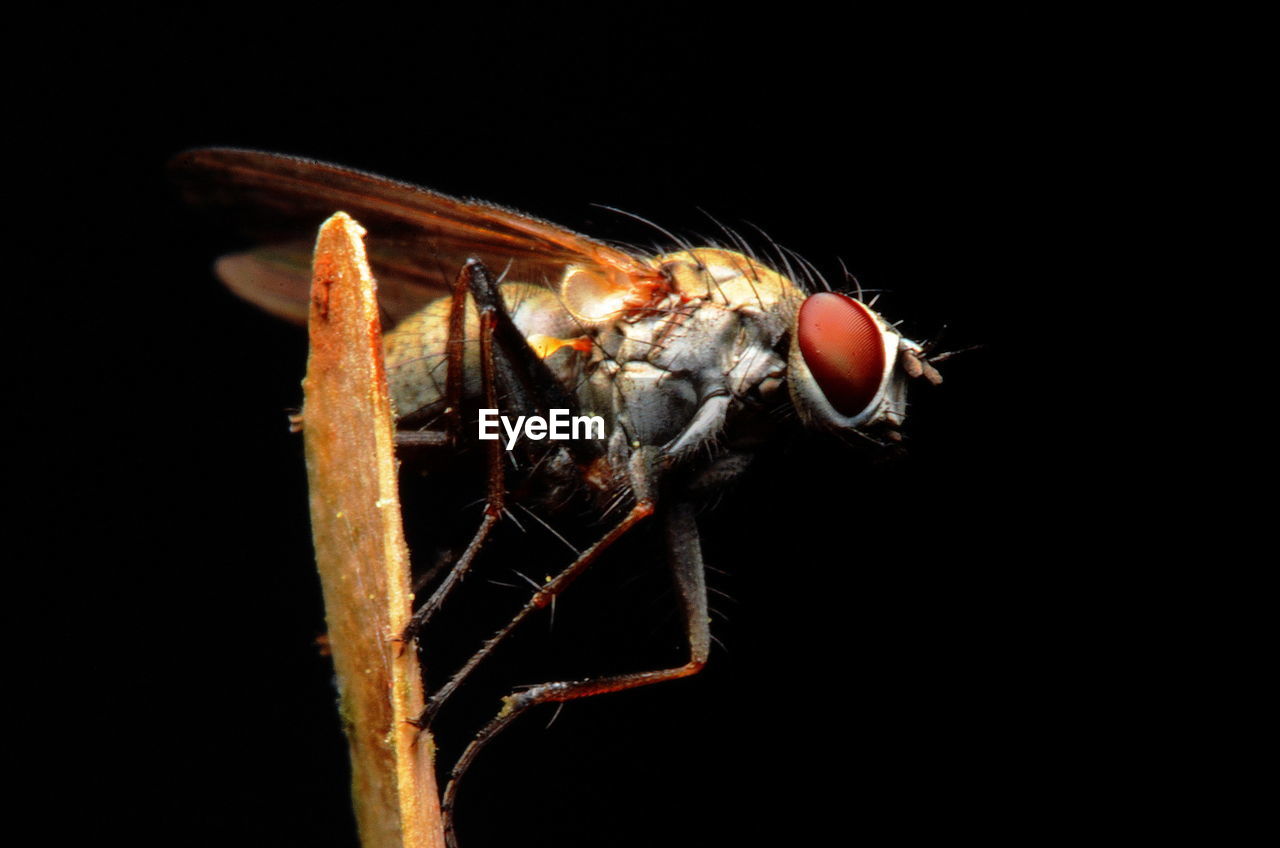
(894, 638)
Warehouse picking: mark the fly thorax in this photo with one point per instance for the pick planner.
(732, 280)
(649, 405)
(538, 312)
(738, 311)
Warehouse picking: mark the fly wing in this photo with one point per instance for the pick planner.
(418, 239)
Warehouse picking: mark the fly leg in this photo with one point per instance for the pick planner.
(685, 556)
(641, 465)
(511, 371)
(495, 501)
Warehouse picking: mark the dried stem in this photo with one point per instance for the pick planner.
(360, 549)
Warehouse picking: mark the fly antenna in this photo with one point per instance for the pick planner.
(943, 357)
(928, 346)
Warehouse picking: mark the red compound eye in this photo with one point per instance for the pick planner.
(844, 349)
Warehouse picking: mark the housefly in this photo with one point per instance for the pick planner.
(690, 359)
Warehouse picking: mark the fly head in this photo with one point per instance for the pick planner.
(849, 368)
